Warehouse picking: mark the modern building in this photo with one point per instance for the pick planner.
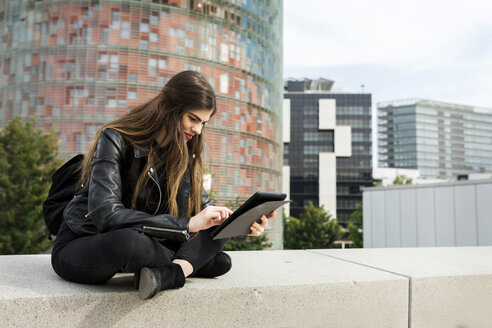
(79, 64)
(427, 215)
(441, 140)
(327, 147)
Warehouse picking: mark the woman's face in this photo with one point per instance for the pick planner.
(194, 121)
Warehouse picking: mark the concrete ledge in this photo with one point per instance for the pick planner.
(315, 288)
(449, 286)
(264, 289)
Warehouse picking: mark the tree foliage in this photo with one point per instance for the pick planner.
(355, 227)
(27, 160)
(247, 243)
(244, 243)
(314, 229)
(402, 179)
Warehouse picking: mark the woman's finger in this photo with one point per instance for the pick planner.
(255, 229)
(264, 220)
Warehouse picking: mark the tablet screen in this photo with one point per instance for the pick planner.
(256, 199)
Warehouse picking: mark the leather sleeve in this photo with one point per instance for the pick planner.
(105, 207)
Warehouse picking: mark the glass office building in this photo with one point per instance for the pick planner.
(327, 147)
(79, 64)
(441, 140)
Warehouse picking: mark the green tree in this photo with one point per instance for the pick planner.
(244, 243)
(27, 160)
(354, 227)
(314, 229)
(402, 179)
(247, 243)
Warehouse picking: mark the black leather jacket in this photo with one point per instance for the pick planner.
(105, 204)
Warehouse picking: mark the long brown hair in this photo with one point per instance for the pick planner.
(144, 124)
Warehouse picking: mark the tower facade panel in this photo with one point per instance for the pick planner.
(80, 64)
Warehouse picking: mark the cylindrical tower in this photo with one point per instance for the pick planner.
(79, 64)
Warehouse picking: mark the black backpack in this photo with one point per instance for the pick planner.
(63, 183)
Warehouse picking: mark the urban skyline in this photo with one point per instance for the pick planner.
(151, 65)
(393, 50)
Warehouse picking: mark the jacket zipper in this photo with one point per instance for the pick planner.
(159, 187)
(183, 232)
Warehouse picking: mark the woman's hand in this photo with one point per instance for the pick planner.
(258, 228)
(210, 216)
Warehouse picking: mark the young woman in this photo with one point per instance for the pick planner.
(142, 207)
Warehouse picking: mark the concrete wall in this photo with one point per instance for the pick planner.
(444, 214)
(397, 287)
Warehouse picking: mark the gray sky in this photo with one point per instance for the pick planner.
(435, 49)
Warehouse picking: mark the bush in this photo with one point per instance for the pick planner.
(27, 160)
(314, 229)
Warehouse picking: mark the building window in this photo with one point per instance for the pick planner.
(115, 20)
(224, 83)
(144, 27)
(153, 37)
(144, 44)
(104, 36)
(103, 58)
(111, 102)
(190, 67)
(113, 63)
(125, 30)
(132, 95)
(78, 142)
(90, 131)
(152, 66)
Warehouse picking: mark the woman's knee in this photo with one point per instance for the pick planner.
(82, 274)
(220, 264)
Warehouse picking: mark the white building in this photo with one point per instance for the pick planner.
(444, 214)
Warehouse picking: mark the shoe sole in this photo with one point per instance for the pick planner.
(136, 280)
(148, 285)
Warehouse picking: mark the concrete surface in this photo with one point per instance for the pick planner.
(264, 289)
(449, 286)
(400, 287)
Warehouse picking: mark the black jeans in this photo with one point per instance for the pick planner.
(96, 258)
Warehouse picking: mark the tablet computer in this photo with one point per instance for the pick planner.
(238, 223)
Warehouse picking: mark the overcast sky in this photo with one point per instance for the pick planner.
(434, 49)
